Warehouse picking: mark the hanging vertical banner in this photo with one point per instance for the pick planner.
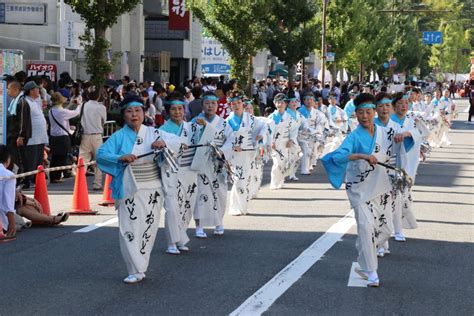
(178, 16)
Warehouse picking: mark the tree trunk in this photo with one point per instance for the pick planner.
(361, 72)
(99, 61)
(291, 74)
(333, 74)
(250, 76)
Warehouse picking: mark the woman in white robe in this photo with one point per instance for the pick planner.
(181, 188)
(299, 124)
(212, 179)
(136, 185)
(408, 161)
(308, 139)
(338, 121)
(384, 110)
(256, 167)
(322, 128)
(367, 183)
(243, 126)
(446, 110)
(283, 137)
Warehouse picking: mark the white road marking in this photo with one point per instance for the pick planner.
(355, 279)
(261, 300)
(92, 227)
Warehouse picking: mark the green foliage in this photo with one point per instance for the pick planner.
(291, 30)
(238, 26)
(98, 16)
(101, 13)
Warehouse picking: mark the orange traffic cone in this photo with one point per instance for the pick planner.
(107, 199)
(80, 199)
(41, 191)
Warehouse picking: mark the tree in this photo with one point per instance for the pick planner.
(99, 15)
(291, 32)
(238, 26)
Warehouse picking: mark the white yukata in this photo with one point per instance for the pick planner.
(181, 187)
(282, 129)
(338, 121)
(243, 136)
(211, 199)
(401, 214)
(446, 111)
(368, 188)
(256, 167)
(322, 127)
(137, 190)
(408, 161)
(316, 122)
(295, 153)
(432, 114)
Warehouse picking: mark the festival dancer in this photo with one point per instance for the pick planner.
(256, 166)
(299, 125)
(367, 183)
(408, 161)
(212, 178)
(136, 184)
(245, 138)
(283, 138)
(181, 187)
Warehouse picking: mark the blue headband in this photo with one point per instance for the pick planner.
(234, 99)
(132, 104)
(292, 99)
(405, 97)
(332, 97)
(384, 101)
(308, 97)
(248, 101)
(210, 98)
(366, 106)
(175, 102)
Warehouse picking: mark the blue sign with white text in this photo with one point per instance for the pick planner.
(217, 69)
(432, 38)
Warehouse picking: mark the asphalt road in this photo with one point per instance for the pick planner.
(54, 271)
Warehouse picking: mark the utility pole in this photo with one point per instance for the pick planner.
(323, 43)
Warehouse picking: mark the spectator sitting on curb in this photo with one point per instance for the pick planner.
(31, 209)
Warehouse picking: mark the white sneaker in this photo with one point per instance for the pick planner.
(134, 278)
(200, 234)
(381, 252)
(399, 237)
(172, 251)
(219, 231)
(373, 282)
(294, 178)
(183, 248)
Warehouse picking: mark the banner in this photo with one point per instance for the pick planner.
(48, 70)
(178, 15)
